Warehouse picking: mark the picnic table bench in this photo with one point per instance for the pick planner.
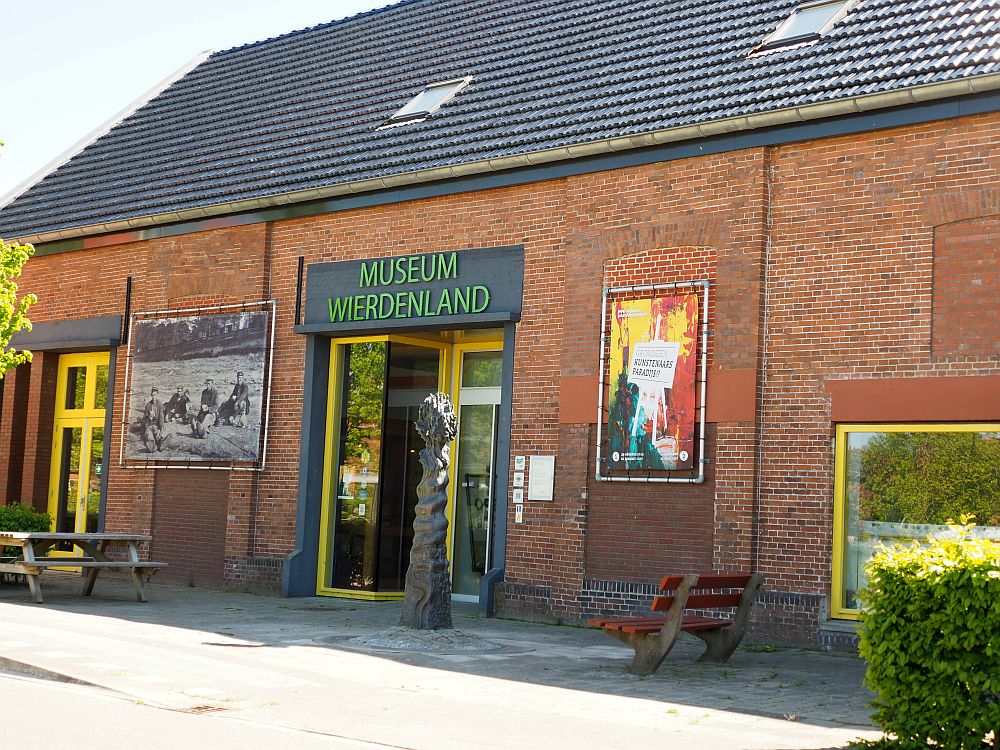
(653, 636)
(31, 561)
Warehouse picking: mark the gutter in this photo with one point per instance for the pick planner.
(809, 112)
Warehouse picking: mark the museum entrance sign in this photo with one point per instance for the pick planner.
(445, 290)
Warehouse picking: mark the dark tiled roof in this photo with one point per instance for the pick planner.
(300, 111)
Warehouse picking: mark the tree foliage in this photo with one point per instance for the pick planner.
(365, 385)
(13, 310)
(929, 477)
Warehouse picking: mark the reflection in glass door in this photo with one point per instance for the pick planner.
(359, 448)
(478, 417)
(78, 442)
(376, 446)
(80, 450)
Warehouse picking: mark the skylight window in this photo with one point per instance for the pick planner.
(807, 23)
(428, 101)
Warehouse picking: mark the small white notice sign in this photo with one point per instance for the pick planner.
(519, 464)
(518, 496)
(519, 479)
(653, 364)
(518, 514)
(541, 477)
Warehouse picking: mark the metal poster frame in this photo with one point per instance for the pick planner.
(701, 379)
(268, 306)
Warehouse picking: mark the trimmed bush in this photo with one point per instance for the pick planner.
(18, 517)
(931, 638)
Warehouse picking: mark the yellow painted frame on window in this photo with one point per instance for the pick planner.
(838, 610)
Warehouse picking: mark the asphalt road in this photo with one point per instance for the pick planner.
(38, 713)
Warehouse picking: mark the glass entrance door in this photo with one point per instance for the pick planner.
(478, 417)
(78, 442)
(382, 383)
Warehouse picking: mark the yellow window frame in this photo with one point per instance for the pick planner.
(838, 609)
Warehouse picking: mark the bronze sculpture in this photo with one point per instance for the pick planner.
(427, 596)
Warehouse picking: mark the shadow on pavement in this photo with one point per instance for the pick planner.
(807, 687)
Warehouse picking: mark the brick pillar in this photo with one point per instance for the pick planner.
(12, 428)
(37, 434)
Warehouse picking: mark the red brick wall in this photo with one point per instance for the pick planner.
(13, 425)
(966, 293)
(189, 526)
(851, 293)
(847, 239)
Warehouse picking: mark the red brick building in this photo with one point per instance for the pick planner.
(835, 184)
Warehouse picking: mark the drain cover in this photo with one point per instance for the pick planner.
(201, 709)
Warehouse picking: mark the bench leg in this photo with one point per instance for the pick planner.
(35, 587)
(720, 644)
(652, 648)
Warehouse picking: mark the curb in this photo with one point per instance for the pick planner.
(23, 668)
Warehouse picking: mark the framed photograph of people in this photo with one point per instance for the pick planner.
(197, 387)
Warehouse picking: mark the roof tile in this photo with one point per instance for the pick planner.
(300, 111)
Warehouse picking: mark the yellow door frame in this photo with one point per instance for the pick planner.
(87, 418)
(331, 458)
(460, 350)
(449, 380)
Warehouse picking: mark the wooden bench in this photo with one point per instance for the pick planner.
(653, 636)
(33, 545)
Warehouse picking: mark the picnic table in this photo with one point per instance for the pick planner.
(33, 558)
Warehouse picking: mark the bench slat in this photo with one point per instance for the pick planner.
(688, 625)
(640, 628)
(708, 581)
(698, 601)
(618, 622)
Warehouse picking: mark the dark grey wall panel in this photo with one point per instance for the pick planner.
(84, 334)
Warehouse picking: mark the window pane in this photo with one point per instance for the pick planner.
(429, 98)
(94, 478)
(807, 21)
(76, 387)
(907, 485)
(101, 393)
(413, 376)
(481, 369)
(359, 449)
(69, 478)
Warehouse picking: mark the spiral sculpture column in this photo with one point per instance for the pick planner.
(427, 596)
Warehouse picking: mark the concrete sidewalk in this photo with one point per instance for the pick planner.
(287, 663)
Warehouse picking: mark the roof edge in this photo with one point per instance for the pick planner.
(103, 128)
(809, 112)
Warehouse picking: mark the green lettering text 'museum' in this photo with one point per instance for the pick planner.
(409, 269)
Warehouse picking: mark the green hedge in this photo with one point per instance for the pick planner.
(931, 637)
(18, 517)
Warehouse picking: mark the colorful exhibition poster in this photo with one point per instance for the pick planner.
(651, 424)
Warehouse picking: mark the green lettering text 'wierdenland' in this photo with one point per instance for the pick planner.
(424, 303)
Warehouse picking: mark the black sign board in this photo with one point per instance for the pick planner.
(450, 289)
